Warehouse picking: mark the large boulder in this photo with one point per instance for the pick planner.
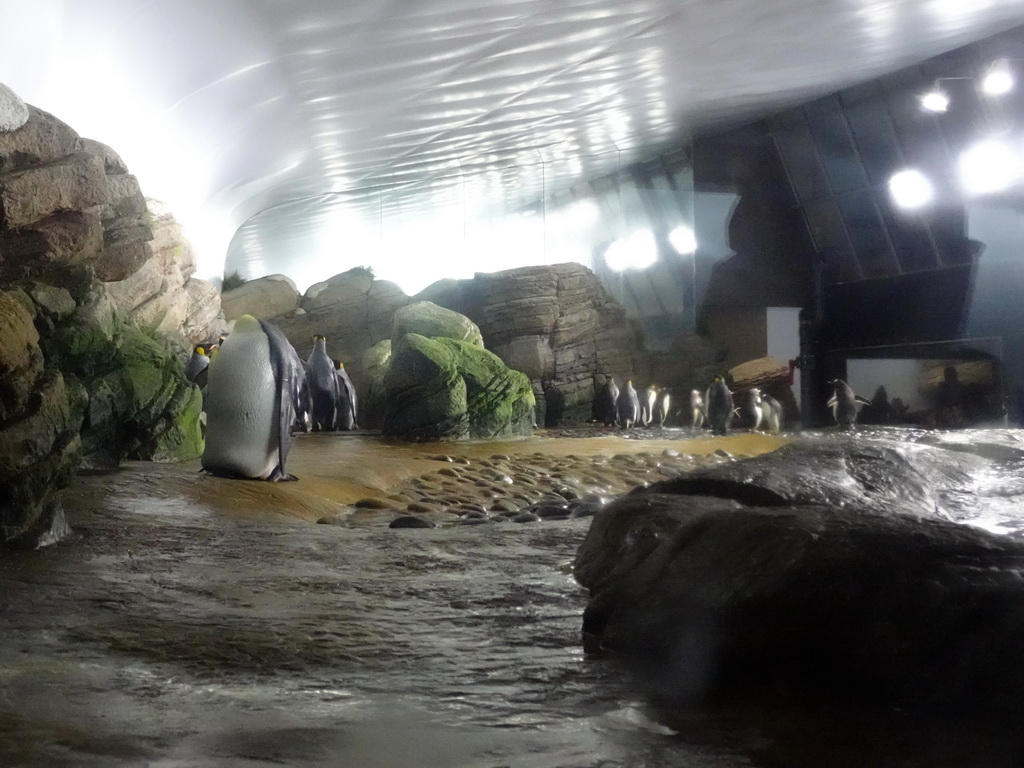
(428, 319)
(444, 388)
(729, 584)
(265, 297)
(39, 422)
(424, 395)
(13, 111)
(374, 368)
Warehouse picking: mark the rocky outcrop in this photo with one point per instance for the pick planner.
(80, 382)
(39, 423)
(586, 332)
(447, 389)
(266, 298)
(428, 319)
(13, 111)
(737, 582)
(162, 295)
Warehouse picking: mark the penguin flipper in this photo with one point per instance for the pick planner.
(861, 401)
(832, 401)
(289, 375)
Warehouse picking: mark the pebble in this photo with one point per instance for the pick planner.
(411, 521)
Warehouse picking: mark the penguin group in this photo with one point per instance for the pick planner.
(624, 407)
(332, 397)
(715, 408)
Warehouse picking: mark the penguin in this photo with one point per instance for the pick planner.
(323, 386)
(771, 413)
(605, 400)
(647, 404)
(661, 407)
(627, 406)
(697, 412)
(197, 363)
(720, 406)
(750, 411)
(253, 390)
(845, 404)
(346, 407)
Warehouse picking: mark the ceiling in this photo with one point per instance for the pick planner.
(298, 134)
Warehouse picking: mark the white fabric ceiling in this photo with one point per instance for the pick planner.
(295, 116)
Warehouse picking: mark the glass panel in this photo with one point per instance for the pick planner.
(872, 130)
(837, 152)
(797, 151)
(870, 243)
(831, 240)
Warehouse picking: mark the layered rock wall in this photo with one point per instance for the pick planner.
(96, 303)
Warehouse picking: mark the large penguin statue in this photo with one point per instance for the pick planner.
(346, 406)
(323, 386)
(627, 406)
(720, 406)
(845, 404)
(253, 391)
(605, 401)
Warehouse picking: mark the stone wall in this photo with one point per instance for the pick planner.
(97, 304)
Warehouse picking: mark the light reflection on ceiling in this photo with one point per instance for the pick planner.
(315, 135)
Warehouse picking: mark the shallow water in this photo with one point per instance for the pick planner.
(193, 621)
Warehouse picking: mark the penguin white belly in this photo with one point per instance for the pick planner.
(242, 402)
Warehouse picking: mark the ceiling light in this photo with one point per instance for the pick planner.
(988, 166)
(910, 189)
(935, 101)
(997, 80)
(683, 239)
(638, 251)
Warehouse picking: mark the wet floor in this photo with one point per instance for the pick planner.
(193, 621)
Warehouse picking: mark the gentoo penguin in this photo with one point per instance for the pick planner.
(323, 386)
(720, 406)
(845, 404)
(697, 413)
(647, 404)
(345, 406)
(253, 390)
(627, 406)
(605, 401)
(771, 413)
(750, 411)
(196, 363)
(661, 407)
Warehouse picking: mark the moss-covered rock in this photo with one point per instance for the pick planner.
(39, 454)
(425, 397)
(430, 320)
(446, 389)
(499, 401)
(21, 361)
(177, 435)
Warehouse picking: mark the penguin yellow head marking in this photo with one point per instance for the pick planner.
(200, 351)
(340, 364)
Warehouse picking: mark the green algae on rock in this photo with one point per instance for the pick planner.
(443, 388)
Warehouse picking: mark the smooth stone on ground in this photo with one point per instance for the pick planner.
(411, 521)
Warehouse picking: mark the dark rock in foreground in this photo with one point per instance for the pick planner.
(849, 601)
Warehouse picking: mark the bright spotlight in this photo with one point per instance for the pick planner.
(638, 251)
(997, 80)
(935, 101)
(683, 239)
(988, 166)
(910, 189)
